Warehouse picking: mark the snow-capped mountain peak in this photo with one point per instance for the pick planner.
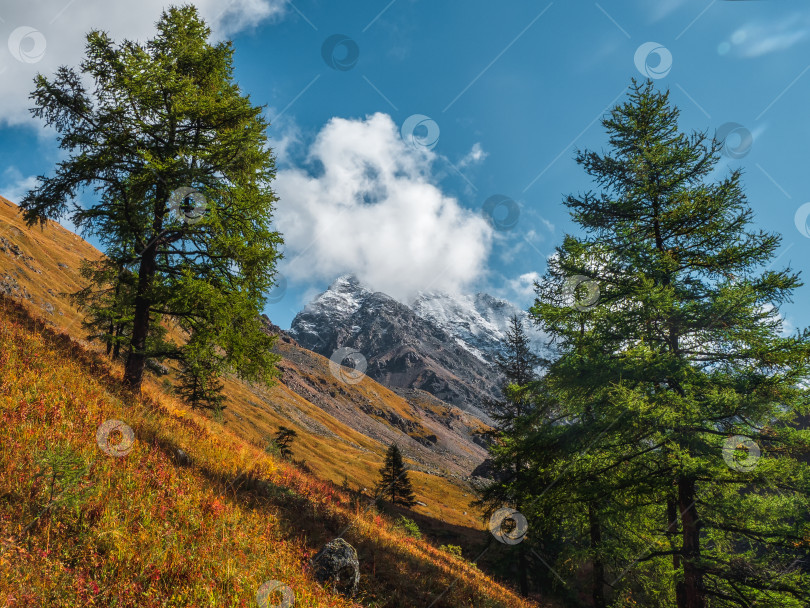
(479, 322)
(444, 344)
(342, 299)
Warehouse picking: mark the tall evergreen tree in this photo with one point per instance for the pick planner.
(518, 364)
(178, 158)
(394, 483)
(682, 354)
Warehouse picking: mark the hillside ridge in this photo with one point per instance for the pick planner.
(145, 526)
(344, 429)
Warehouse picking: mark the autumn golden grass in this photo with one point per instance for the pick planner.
(82, 528)
(254, 411)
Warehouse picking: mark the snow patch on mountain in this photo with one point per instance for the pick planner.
(339, 302)
(478, 322)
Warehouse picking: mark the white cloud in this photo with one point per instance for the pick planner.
(370, 207)
(61, 27)
(286, 138)
(523, 286)
(473, 157)
(757, 39)
(14, 186)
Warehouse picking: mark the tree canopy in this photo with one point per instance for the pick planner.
(664, 449)
(283, 441)
(176, 162)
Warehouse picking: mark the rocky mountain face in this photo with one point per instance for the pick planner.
(441, 344)
(437, 438)
(478, 322)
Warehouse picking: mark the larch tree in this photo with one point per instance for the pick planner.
(518, 364)
(283, 441)
(107, 303)
(177, 160)
(679, 363)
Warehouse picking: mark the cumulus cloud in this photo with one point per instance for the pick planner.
(286, 138)
(284, 143)
(40, 36)
(369, 205)
(523, 286)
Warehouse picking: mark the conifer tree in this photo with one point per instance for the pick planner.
(679, 363)
(518, 364)
(178, 160)
(200, 370)
(107, 303)
(394, 483)
(283, 441)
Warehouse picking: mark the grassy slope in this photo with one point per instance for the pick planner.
(253, 412)
(41, 283)
(141, 530)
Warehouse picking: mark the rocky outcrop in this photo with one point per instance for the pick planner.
(273, 329)
(337, 565)
(13, 250)
(157, 367)
(10, 287)
(402, 349)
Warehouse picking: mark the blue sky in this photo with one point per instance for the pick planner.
(502, 99)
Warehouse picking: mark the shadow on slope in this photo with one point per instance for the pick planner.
(151, 529)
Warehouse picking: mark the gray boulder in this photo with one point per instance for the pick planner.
(181, 458)
(157, 367)
(337, 564)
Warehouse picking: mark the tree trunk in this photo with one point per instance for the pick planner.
(598, 583)
(113, 325)
(672, 533)
(116, 353)
(523, 560)
(136, 361)
(523, 571)
(694, 595)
